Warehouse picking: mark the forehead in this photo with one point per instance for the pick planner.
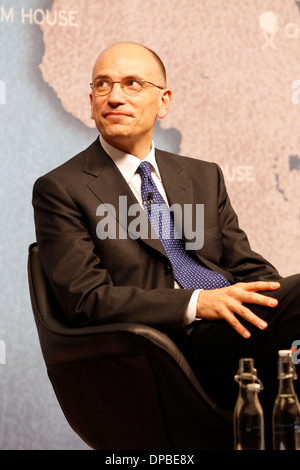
(121, 61)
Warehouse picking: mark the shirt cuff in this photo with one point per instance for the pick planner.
(190, 313)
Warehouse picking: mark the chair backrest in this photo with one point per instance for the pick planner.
(123, 386)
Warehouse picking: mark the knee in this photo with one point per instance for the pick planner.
(290, 288)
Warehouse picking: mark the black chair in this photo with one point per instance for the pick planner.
(123, 386)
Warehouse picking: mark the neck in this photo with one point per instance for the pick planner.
(138, 149)
(286, 386)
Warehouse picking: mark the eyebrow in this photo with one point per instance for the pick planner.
(127, 76)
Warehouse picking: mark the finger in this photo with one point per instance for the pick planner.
(258, 286)
(247, 315)
(237, 326)
(250, 317)
(251, 293)
(259, 299)
(227, 313)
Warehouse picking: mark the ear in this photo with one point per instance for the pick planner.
(166, 99)
(92, 106)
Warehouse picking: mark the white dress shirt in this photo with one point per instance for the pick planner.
(128, 165)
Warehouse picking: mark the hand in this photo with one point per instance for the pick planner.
(227, 302)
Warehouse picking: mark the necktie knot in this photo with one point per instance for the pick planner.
(145, 169)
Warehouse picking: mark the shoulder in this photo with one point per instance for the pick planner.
(193, 166)
(71, 169)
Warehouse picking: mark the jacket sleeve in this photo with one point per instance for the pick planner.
(239, 259)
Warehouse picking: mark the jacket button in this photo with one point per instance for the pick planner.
(167, 269)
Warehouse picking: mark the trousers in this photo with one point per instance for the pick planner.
(214, 349)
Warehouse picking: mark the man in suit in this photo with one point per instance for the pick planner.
(122, 278)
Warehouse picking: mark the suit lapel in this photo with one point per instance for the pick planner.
(108, 185)
(177, 185)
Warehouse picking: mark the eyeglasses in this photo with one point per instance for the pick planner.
(102, 86)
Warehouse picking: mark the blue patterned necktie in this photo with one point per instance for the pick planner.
(188, 272)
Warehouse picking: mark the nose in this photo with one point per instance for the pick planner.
(116, 95)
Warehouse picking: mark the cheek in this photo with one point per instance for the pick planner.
(149, 115)
(96, 112)
(147, 111)
(97, 104)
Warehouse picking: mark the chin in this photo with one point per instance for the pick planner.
(117, 133)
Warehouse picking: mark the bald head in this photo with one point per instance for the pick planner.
(142, 53)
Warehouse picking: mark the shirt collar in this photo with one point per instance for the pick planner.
(127, 163)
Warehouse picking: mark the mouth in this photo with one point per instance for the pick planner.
(116, 115)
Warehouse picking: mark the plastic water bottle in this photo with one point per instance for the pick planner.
(286, 411)
(248, 412)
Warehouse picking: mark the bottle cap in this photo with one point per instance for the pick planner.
(254, 387)
(285, 353)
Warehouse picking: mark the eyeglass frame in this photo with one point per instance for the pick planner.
(120, 81)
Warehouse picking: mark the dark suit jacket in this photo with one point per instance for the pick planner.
(130, 280)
